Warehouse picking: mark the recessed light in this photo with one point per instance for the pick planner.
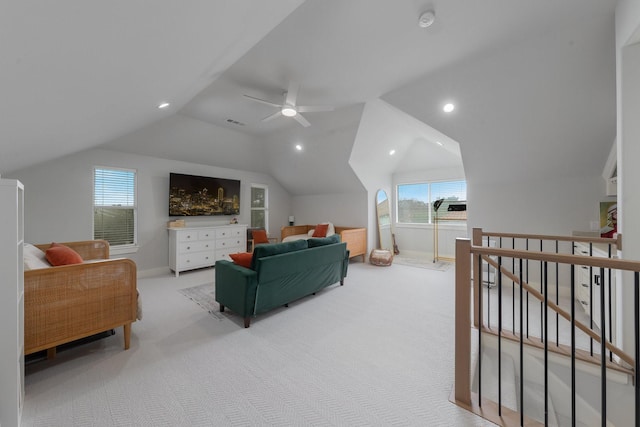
(163, 105)
(439, 143)
(299, 147)
(448, 108)
(392, 152)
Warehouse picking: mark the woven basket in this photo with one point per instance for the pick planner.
(381, 257)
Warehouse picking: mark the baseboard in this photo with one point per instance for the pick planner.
(153, 272)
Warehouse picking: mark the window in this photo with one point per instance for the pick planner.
(415, 202)
(259, 206)
(114, 206)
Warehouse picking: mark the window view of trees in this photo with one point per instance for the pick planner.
(415, 201)
(114, 206)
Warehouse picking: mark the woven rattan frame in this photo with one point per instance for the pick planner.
(66, 303)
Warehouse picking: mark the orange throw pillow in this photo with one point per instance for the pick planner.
(242, 258)
(260, 236)
(59, 254)
(320, 230)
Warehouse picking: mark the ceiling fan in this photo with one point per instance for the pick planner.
(289, 108)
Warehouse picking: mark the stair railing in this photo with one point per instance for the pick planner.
(492, 256)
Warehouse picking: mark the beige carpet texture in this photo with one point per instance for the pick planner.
(377, 351)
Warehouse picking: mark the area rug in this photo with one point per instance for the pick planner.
(422, 263)
(204, 296)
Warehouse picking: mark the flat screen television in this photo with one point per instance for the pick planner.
(191, 195)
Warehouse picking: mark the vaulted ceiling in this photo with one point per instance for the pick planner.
(527, 77)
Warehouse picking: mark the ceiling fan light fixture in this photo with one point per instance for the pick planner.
(289, 111)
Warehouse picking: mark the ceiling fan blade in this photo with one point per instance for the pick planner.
(314, 108)
(292, 94)
(262, 101)
(273, 116)
(300, 119)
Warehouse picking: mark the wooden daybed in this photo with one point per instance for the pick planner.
(356, 238)
(69, 302)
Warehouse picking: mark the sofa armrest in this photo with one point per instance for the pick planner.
(69, 302)
(236, 287)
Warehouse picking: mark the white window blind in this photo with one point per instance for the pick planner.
(114, 206)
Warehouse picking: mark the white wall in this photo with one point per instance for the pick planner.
(59, 197)
(546, 205)
(628, 130)
(342, 209)
(382, 127)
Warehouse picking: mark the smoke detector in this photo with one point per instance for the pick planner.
(426, 19)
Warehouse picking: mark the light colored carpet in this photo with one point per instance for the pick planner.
(377, 351)
(205, 296)
(422, 262)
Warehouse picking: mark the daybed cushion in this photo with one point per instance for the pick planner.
(242, 258)
(270, 249)
(321, 241)
(59, 254)
(330, 232)
(34, 258)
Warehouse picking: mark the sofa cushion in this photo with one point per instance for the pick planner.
(242, 258)
(59, 254)
(271, 249)
(34, 258)
(321, 241)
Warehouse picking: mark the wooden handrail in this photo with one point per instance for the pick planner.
(618, 264)
(532, 291)
(584, 239)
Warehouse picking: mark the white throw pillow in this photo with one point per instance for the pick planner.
(34, 258)
(330, 230)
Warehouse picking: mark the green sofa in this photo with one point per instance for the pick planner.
(280, 273)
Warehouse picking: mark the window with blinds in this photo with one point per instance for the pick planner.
(114, 206)
(259, 206)
(415, 202)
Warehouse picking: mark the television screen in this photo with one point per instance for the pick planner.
(191, 195)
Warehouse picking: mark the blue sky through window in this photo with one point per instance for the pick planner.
(114, 187)
(418, 192)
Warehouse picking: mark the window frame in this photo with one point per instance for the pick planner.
(265, 208)
(446, 224)
(129, 247)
